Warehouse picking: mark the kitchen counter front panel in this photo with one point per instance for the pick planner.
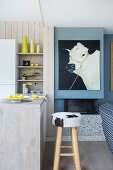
(22, 135)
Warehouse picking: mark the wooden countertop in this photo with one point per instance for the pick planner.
(26, 104)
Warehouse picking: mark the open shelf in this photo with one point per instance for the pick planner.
(36, 82)
(25, 54)
(28, 80)
(30, 67)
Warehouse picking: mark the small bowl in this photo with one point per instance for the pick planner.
(36, 64)
(32, 92)
(37, 92)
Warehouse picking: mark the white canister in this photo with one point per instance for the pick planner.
(24, 86)
(26, 90)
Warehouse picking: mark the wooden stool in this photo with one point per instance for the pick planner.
(72, 120)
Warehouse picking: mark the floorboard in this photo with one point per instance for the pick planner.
(93, 155)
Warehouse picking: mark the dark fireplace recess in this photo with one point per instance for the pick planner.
(84, 106)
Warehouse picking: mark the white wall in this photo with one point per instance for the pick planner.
(21, 10)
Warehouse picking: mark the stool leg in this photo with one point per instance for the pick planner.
(57, 148)
(72, 147)
(75, 147)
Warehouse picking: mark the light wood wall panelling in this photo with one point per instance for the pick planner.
(19, 35)
(2, 29)
(17, 29)
(14, 30)
(48, 62)
(45, 60)
(46, 72)
(8, 30)
(37, 32)
(25, 28)
(31, 31)
(41, 36)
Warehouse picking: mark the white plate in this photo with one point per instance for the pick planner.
(18, 99)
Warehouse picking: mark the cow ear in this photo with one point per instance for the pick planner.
(65, 52)
(91, 51)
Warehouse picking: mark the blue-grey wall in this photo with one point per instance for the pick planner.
(108, 95)
(68, 33)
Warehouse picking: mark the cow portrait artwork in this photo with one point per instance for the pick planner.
(79, 64)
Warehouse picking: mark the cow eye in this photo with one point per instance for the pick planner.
(83, 54)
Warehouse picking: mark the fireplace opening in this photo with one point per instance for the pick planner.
(84, 106)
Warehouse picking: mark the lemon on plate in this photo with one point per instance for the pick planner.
(34, 96)
(16, 96)
(9, 96)
(22, 96)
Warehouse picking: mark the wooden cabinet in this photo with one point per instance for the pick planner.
(22, 135)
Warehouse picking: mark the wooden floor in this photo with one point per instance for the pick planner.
(93, 155)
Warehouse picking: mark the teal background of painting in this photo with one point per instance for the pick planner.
(108, 95)
(79, 34)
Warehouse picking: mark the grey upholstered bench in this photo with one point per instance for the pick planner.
(106, 111)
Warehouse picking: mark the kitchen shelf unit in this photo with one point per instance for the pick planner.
(37, 84)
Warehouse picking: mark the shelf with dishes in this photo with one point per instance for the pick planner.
(33, 80)
(30, 67)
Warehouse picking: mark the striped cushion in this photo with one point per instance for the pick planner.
(106, 111)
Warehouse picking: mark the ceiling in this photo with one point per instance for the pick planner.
(78, 13)
(15, 10)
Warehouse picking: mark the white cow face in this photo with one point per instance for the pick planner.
(77, 55)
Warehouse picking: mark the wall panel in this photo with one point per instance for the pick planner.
(48, 74)
(25, 28)
(37, 32)
(2, 29)
(8, 30)
(17, 29)
(14, 30)
(31, 31)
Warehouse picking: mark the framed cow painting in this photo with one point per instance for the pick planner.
(79, 64)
